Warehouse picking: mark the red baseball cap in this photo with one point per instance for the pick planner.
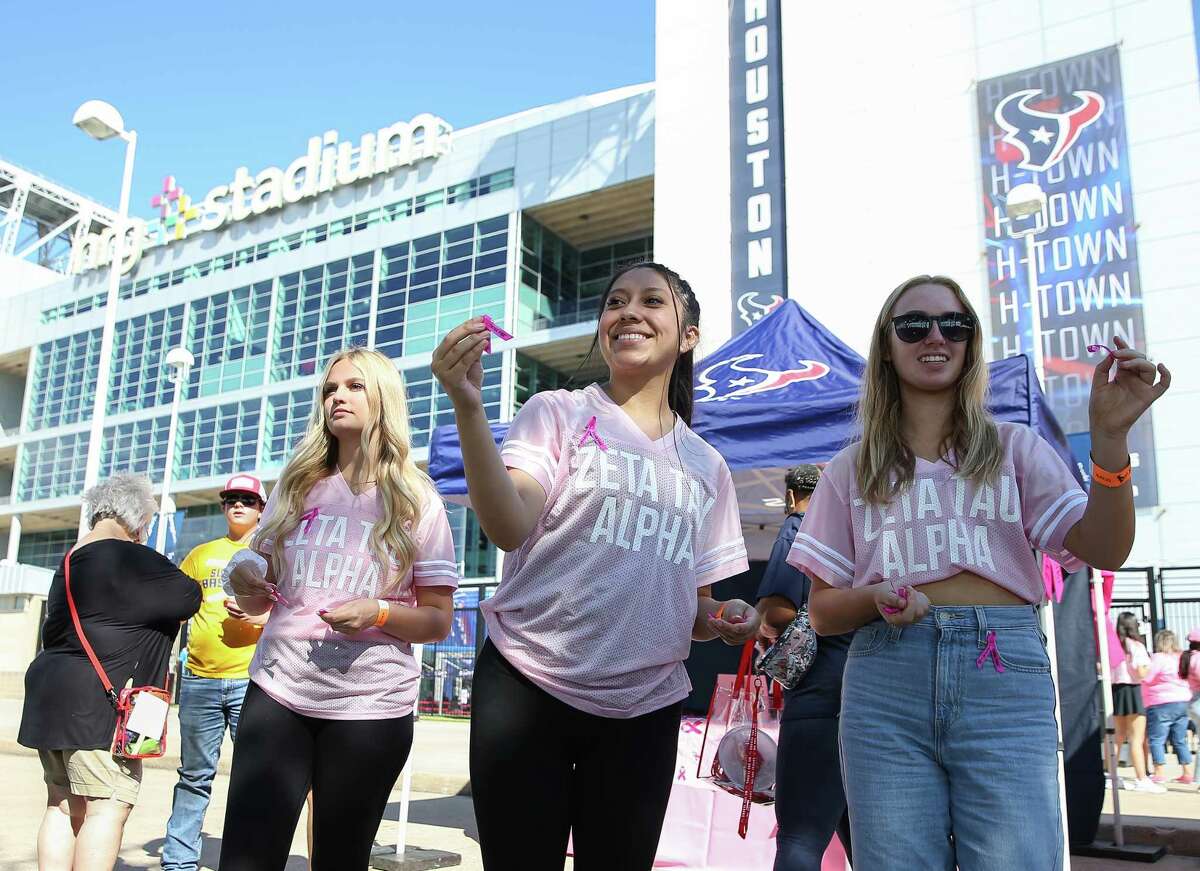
(245, 484)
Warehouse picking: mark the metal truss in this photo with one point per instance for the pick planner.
(39, 218)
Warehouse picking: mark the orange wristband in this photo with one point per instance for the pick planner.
(384, 610)
(1105, 478)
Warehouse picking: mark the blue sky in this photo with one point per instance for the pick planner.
(216, 85)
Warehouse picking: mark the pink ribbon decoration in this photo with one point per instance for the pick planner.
(903, 594)
(590, 430)
(498, 331)
(309, 516)
(990, 649)
(1094, 349)
(1052, 578)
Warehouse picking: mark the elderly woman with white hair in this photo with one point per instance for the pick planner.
(130, 600)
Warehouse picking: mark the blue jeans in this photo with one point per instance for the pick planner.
(810, 804)
(948, 762)
(1168, 720)
(207, 706)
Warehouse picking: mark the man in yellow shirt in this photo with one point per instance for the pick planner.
(221, 641)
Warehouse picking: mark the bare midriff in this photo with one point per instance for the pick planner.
(967, 588)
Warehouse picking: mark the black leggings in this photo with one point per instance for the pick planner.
(541, 769)
(810, 802)
(350, 765)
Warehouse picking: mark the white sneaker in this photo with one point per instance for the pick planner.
(1147, 785)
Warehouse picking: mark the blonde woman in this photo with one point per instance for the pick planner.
(921, 537)
(356, 564)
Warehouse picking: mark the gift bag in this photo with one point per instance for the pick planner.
(741, 737)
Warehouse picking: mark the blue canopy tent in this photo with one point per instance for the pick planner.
(783, 393)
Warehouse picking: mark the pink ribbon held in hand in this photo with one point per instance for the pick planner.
(903, 594)
(309, 516)
(1095, 349)
(990, 649)
(590, 430)
(498, 331)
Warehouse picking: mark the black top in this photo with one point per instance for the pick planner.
(820, 693)
(131, 600)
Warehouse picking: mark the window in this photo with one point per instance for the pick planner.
(319, 311)
(64, 380)
(218, 440)
(52, 467)
(428, 406)
(227, 334)
(287, 420)
(140, 346)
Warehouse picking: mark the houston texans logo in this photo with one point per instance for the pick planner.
(751, 310)
(741, 380)
(1043, 137)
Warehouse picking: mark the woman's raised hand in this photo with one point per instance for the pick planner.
(1116, 404)
(457, 363)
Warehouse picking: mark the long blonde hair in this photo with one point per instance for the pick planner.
(886, 464)
(403, 488)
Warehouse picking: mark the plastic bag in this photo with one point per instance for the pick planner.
(741, 737)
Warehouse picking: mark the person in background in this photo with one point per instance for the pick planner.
(1129, 710)
(809, 763)
(1166, 694)
(1189, 667)
(355, 562)
(130, 600)
(220, 642)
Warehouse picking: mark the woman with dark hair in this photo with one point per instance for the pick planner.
(1129, 711)
(618, 518)
(1189, 668)
(921, 537)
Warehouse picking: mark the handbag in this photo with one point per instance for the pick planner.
(141, 731)
(788, 660)
(741, 737)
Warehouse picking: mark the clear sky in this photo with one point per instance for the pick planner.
(210, 86)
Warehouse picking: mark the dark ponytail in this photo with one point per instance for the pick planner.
(1127, 628)
(1185, 658)
(680, 386)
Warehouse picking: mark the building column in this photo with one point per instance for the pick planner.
(14, 538)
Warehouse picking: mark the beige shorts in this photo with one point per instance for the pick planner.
(93, 773)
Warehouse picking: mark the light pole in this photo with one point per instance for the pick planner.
(102, 121)
(179, 361)
(1026, 211)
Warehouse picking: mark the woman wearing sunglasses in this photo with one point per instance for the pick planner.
(921, 536)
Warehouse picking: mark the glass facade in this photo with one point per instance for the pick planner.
(139, 377)
(319, 311)
(218, 440)
(560, 285)
(63, 385)
(287, 418)
(227, 334)
(432, 284)
(46, 549)
(52, 467)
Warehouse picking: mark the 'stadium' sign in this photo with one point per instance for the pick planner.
(758, 236)
(1062, 125)
(327, 164)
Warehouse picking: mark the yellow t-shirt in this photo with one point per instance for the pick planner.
(218, 645)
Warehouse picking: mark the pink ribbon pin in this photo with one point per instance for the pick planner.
(590, 430)
(309, 516)
(498, 331)
(1094, 349)
(990, 649)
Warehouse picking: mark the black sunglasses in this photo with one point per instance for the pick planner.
(247, 501)
(915, 326)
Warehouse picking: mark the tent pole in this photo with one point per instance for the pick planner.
(1111, 751)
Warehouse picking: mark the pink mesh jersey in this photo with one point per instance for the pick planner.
(597, 606)
(328, 560)
(943, 524)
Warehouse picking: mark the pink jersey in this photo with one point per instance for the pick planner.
(597, 606)
(1135, 657)
(943, 524)
(1162, 684)
(327, 561)
(1193, 677)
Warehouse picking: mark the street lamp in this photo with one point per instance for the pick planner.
(1026, 211)
(179, 362)
(102, 121)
